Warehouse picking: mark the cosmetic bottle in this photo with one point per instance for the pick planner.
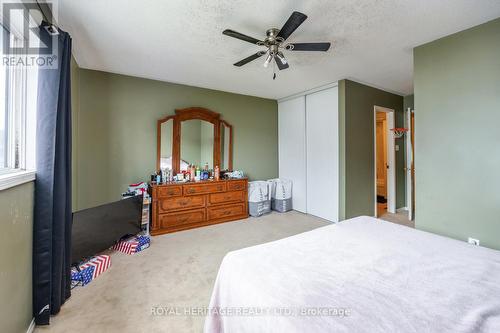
(192, 171)
(216, 173)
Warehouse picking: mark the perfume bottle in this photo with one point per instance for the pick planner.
(216, 173)
(192, 171)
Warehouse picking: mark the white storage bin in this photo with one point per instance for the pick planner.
(281, 194)
(259, 198)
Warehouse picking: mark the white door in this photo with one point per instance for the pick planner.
(322, 147)
(292, 148)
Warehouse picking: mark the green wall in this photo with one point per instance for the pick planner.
(115, 131)
(457, 136)
(16, 246)
(409, 102)
(357, 180)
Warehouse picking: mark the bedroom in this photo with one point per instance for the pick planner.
(132, 78)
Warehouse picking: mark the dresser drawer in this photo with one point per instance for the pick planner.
(182, 218)
(178, 203)
(219, 198)
(236, 185)
(169, 191)
(204, 188)
(226, 211)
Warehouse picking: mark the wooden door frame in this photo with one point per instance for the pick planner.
(410, 163)
(391, 159)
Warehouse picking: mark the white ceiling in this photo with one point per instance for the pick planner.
(181, 41)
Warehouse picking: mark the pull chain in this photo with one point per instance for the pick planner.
(274, 70)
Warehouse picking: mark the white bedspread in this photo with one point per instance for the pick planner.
(382, 276)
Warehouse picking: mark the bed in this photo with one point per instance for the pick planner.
(360, 275)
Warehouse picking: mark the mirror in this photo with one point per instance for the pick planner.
(194, 136)
(225, 146)
(166, 134)
(197, 144)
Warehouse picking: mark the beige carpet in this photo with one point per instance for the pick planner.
(178, 270)
(401, 217)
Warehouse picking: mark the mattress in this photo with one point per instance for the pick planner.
(360, 275)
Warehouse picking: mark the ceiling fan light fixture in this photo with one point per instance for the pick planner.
(268, 59)
(281, 57)
(275, 43)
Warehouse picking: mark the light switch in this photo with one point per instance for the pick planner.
(397, 147)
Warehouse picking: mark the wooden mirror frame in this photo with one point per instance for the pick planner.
(230, 152)
(191, 114)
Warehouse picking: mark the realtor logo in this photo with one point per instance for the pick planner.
(24, 43)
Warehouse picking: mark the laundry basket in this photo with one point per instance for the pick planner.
(259, 198)
(281, 194)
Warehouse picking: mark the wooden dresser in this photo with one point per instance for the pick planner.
(181, 206)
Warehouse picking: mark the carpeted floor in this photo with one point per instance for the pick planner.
(178, 270)
(401, 217)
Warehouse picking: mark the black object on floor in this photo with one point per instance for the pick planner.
(381, 199)
(96, 229)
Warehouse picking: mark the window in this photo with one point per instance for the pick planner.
(18, 90)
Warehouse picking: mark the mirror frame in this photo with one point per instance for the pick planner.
(230, 152)
(190, 114)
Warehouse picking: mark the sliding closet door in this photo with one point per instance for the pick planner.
(292, 148)
(322, 128)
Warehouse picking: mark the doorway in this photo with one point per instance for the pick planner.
(385, 175)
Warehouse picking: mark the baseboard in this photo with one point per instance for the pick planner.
(31, 328)
(398, 210)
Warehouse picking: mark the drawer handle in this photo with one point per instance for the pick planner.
(219, 188)
(238, 187)
(182, 219)
(171, 192)
(183, 202)
(191, 190)
(226, 212)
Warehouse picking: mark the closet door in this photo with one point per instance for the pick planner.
(322, 146)
(292, 148)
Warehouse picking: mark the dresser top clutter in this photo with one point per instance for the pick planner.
(194, 185)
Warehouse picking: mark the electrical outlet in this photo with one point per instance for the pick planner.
(473, 241)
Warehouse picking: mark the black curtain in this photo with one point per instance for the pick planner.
(52, 225)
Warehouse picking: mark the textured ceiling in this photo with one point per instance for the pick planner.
(181, 41)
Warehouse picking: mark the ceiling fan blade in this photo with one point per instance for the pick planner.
(235, 34)
(250, 58)
(293, 22)
(281, 65)
(309, 46)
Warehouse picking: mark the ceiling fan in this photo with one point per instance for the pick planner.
(275, 43)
